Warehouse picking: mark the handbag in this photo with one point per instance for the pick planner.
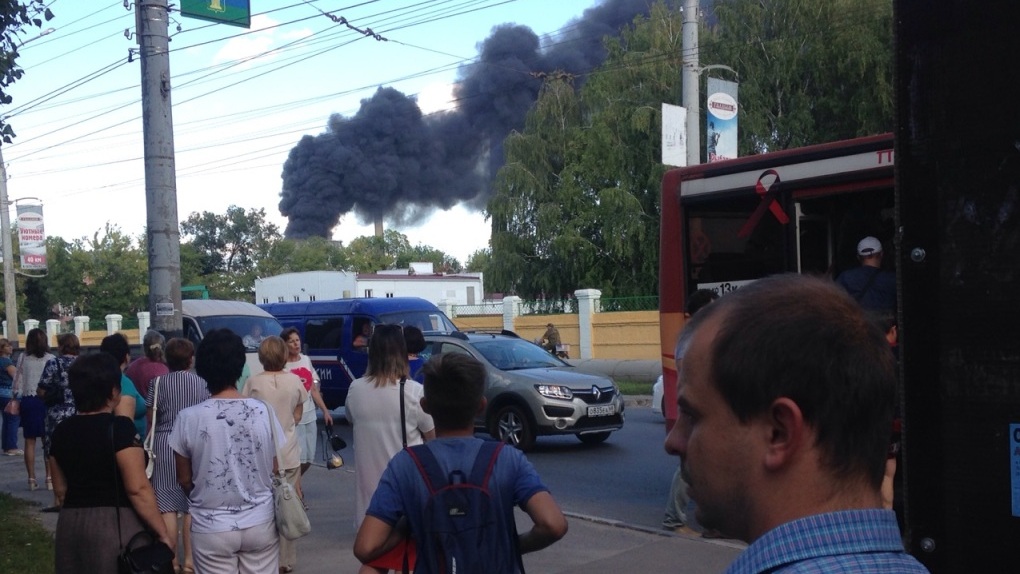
(144, 553)
(334, 443)
(150, 437)
(291, 519)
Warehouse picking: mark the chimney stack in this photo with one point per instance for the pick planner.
(378, 227)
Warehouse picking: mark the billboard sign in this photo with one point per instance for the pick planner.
(31, 237)
(674, 135)
(721, 129)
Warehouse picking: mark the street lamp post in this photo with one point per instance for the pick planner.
(10, 297)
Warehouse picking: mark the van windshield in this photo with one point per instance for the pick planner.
(427, 321)
(251, 329)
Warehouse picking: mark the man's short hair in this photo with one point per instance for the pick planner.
(453, 389)
(806, 339)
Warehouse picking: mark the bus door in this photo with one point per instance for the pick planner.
(814, 242)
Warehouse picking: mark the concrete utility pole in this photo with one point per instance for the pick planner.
(690, 80)
(162, 230)
(10, 300)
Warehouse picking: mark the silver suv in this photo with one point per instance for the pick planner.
(532, 393)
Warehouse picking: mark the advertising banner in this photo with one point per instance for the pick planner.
(232, 12)
(31, 237)
(674, 135)
(721, 131)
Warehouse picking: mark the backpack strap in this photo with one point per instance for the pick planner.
(430, 470)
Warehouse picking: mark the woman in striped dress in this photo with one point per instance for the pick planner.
(177, 390)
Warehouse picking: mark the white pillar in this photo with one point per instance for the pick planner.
(446, 306)
(5, 330)
(113, 322)
(511, 309)
(81, 324)
(143, 325)
(52, 330)
(587, 304)
(31, 324)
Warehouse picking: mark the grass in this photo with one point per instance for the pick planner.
(628, 387)
(25, 546)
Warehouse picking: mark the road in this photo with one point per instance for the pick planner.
(625, 478)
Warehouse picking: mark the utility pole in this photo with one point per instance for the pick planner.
(162, 229)
(690, 80)
(10, 300)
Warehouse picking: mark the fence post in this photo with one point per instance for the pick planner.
(52, 330)
(143, 325)
(32, 324)
(113, 322)
(587, 303)
(5, 330)
(81, 324)
(511, 309)
(446, 306)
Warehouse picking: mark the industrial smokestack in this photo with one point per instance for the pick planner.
(378, 227)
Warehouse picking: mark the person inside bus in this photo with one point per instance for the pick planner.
(872, 287)
(364, 334)
(784, 425)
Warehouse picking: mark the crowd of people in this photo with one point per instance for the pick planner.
(783, 434)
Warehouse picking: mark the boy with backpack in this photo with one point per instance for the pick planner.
(455, 495)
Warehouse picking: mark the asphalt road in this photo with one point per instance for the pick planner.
(625, 478)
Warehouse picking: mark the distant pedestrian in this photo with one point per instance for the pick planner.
(57, 395)
(415, 341)
(8, 405)
(32, 407)
(784, 427)
(149, 366)
(551, 338)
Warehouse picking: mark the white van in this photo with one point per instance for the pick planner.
(248, 321)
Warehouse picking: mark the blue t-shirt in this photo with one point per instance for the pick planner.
(880, 295)
(402, 489)
(127, 388)
(6, 381)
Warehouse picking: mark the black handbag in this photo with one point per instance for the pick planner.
(334, 443)
(144, 553)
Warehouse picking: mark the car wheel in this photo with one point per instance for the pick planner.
(511, 425)
(594, 437)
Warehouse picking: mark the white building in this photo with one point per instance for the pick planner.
(306, 286)
(418, 281)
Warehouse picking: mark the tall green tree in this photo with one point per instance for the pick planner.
(230, 247)
(294, 255)
(810, 72)
(576, 204)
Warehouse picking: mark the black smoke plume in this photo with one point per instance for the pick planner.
(388, 161)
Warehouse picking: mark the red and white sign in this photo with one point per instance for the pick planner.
(31, 237)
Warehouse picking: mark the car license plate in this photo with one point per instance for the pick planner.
(601, 411)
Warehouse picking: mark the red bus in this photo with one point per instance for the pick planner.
(728, 223)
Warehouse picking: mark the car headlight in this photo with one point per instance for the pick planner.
(555, 391)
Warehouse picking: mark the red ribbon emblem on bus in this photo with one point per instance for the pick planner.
(768, 201)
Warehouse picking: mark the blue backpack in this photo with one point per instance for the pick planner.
(461, 524)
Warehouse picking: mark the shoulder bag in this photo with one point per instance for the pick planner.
(150, 437)
(144, 553)
(291, 519)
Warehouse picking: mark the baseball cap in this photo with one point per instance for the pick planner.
(869, 246)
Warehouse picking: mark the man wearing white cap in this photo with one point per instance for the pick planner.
(872, 287)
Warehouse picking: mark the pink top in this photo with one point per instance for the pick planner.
(143, 370)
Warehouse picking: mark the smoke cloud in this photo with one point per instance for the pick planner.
(389, 161)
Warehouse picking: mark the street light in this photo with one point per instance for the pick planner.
(10, 298)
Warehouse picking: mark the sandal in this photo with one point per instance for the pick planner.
(32, 484)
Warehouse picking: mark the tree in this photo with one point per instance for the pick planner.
(478, 262)
(230, 248)
(369, 253)
(294, 255)
(14, 18)
(576, 204)
(441, 262)
(810, 72)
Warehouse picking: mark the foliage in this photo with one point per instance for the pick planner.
(230, 247)
(27, 545)
(441, 262)
(576, 204)
(293, 255)
(15, 17)
(810, 72)
(478, 262)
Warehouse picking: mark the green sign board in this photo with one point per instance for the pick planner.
(233, 12)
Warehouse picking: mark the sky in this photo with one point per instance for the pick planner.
(241, 101)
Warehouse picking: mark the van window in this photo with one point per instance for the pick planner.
(427, 321)
(242, 325)
(324, 333)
